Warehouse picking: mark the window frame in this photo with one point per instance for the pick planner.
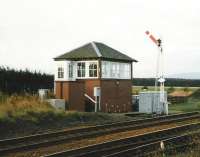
(81, 70)
(115, 70)
(92, 69)
(60, 72)
(87, 69)
(70, 71)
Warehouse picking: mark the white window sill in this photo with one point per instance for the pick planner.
(87, 78)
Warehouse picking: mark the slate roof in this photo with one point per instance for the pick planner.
(95, 50)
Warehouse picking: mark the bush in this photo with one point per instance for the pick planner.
(186, 89)
(144, 88)
(196, 94)
(171, 89)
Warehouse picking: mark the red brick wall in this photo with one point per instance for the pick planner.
(89, 86)
(58, 90)
(116, 95)
(65, 90)
(76, 96)
(73, 93)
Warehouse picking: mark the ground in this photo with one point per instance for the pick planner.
(192, 153)
(193, 104)
(23, 115)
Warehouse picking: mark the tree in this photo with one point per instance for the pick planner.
(20, 81)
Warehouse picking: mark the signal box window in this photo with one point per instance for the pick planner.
(93, 70)
(70, 71)
(81, 69)
(60, 72)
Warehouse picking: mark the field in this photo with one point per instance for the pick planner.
(192, 105)
(137, 89)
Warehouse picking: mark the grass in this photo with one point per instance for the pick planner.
(192, 152)
(193, 104)
(18, 106)
(24, 115)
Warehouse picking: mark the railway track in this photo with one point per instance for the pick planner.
(170, 146)
(140, 145)
(58, 137)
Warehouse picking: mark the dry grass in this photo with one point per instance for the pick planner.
(26, 114)
(20, 105)
(181, 93)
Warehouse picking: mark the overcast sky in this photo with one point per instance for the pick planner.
(32, 32)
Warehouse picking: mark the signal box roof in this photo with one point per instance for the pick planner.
(95, 50)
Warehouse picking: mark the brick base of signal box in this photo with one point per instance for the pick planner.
(115, 94)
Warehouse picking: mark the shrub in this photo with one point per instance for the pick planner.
(196, 94)
(186, 89)
(19, 106)
(171, 89)
(144, 88)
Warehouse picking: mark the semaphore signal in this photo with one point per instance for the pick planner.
(159, 70)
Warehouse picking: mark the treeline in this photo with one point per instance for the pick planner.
(20, 81)
(169, 82)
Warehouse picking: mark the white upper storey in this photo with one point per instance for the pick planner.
(90, 69)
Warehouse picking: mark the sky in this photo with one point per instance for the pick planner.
(33, 32)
